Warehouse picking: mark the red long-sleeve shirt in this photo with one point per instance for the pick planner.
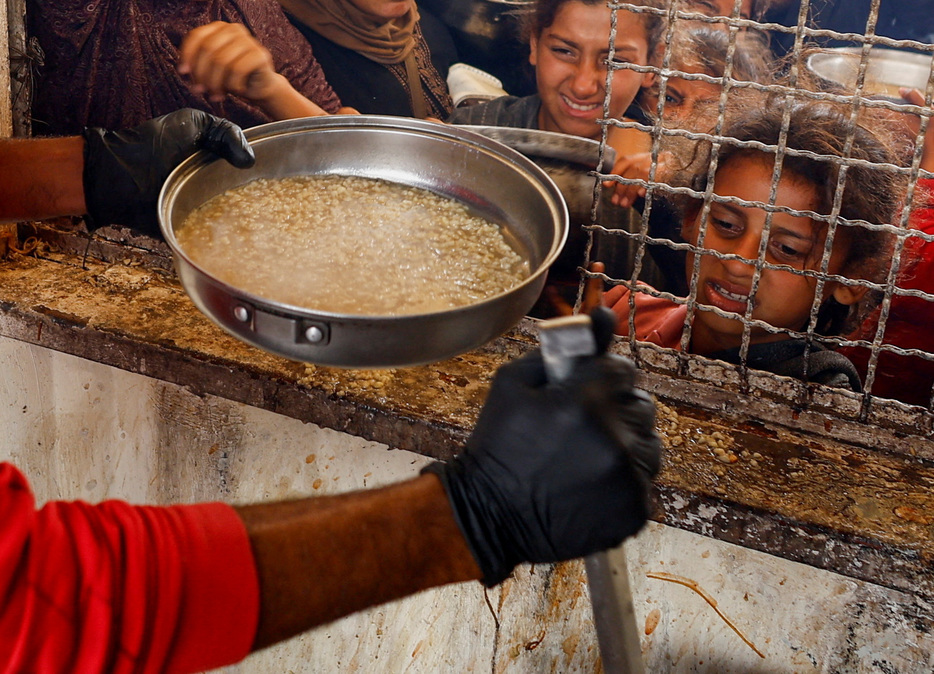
(910, 324)
(121, 588)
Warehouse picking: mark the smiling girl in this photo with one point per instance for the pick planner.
(569, 47)
(722, 263)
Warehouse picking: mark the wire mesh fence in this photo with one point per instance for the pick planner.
(786, 220)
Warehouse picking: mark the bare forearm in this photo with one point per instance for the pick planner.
(41, 178)
(324, 558)
(287, 103)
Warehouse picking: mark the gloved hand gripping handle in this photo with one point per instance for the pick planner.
(124, 170)
(562, 340)
(515, 488)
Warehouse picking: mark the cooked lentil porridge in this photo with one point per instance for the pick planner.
(350, 245)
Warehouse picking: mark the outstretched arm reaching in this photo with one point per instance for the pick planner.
(114, 177)
(224, 58)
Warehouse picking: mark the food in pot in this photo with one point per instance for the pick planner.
(351, 245)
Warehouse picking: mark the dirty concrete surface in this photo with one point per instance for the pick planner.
(858, 510)
(80, 429)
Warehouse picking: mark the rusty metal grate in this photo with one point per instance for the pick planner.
(865, 407)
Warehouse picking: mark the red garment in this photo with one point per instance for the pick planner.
(910, 324)
(121, 588)
(658, 321)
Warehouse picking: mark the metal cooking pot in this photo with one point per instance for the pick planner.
(886, 69)
(493, 180)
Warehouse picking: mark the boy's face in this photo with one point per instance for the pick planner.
(570, 72)
(783, 299)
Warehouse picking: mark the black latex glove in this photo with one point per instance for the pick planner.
(124, 170)
(554, 471)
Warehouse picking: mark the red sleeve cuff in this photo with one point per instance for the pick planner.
(221, 612)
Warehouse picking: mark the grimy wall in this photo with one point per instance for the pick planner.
(83, 430)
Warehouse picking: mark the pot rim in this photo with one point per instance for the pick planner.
(275, 130)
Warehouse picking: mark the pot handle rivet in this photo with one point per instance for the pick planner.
(314, 334)
(241, 313)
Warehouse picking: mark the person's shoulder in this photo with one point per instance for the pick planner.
(796, 358)
(437, 36)
(486, 112)
(11, 477)
(832, 368)
(514, 111)
(923, 214)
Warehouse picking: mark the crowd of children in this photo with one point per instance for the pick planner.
(776, 262)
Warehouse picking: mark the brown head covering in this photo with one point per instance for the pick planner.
(340, 21)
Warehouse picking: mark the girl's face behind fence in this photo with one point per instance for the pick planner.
(682, 97)
(783, 299)
(569, 58)
(718, 7)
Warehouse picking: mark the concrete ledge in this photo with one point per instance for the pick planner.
(847, 507)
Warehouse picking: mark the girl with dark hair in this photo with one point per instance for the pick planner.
(692, 104)
(731, 239)
(568, 41)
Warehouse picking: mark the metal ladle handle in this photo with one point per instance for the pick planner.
(562, 340)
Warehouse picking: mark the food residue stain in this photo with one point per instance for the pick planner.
(910, 514)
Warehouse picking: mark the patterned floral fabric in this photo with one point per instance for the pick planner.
(112, 63)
